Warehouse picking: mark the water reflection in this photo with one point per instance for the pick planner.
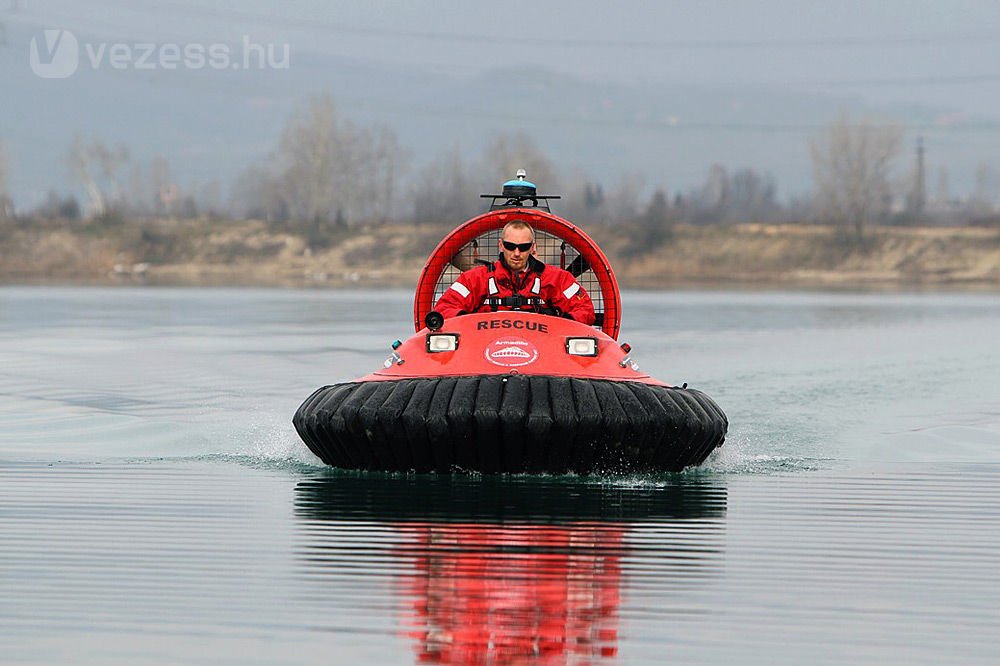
(494, 570)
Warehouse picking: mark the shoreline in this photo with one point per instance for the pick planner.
(844, 287)
(746, 257)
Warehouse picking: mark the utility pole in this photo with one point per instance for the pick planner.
(917, 200)
(920, 193)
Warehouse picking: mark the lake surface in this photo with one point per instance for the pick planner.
(156, 505)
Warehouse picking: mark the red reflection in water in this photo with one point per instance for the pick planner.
(501, 594)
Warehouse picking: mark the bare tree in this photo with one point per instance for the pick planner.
(715, 193)
(97, 168)
(752, 197)
(622, 203)
(593, 196)
(6, 206)
(3, 170)
(162, 190)
(331, 169)
(443, 190)
(708, 203)
(942, 191)
(208, 197)
(312, 153)
(851, 166)
(655, 226)
(984, 194)
(56, 207)
(583, 200)
(257, 193)
(379, 162)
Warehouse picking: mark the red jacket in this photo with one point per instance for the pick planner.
(540, 288)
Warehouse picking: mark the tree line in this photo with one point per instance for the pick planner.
(327, 173)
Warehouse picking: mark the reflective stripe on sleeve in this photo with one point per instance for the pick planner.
(461, 288)
(571, 290)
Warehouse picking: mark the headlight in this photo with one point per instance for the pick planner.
(441, 342)
(581, 346)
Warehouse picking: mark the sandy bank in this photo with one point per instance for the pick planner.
(248, 253)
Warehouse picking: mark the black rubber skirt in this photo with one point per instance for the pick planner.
(510, 424)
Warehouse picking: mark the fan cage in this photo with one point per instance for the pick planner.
(549, 250)
(557, 243)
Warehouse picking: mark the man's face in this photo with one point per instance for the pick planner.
(515, 258)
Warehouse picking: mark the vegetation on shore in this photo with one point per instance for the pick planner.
(332, 206)
(198, 252)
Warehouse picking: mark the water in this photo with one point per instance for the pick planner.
(156, 505)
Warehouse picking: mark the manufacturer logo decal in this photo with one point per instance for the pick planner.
(511, 352)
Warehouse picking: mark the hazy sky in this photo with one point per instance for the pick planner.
(924, 51)
(943, 57)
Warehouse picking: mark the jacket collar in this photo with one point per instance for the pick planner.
(534, 265)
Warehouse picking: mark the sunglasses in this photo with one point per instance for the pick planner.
(523, 247)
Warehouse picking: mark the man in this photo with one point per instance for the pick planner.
(517, 281)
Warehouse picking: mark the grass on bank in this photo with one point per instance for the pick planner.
(251, 252)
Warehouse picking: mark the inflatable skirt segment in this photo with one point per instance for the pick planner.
(510, 424)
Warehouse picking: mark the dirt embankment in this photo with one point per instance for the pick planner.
(245, 253)
(813, 256)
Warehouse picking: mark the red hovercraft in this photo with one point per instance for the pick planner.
(512, 391)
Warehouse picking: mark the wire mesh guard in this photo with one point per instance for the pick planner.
(550, 250)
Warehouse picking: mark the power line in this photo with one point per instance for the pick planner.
(958, 79)
(395, 107)
(507, 39)
(835, 42)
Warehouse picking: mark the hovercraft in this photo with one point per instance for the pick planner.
(512, 391)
